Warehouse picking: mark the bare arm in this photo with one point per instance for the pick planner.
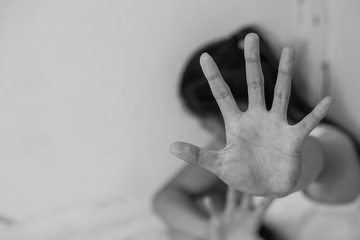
(175, 205)
(331, 166)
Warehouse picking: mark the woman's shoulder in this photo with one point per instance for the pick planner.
(325, 129)
(333, 134)
(336, 142)
(342, 166)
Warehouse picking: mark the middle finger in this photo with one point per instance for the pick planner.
(254, 75)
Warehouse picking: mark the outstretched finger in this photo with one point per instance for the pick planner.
(215, 221)
(246, 202)
(194, 155)
(231, 200)
(283, 83)
(254, 75)
(219, 88)
(305, 126)
(209, 207)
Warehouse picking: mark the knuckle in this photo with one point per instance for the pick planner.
(315, 116)
(255, 84)
(251, 59)
(221, 92)
(304, 125)
(221, 95)
(285, 72)
(281, 95)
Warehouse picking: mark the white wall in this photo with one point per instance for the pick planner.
(343, 55)
(88, 100)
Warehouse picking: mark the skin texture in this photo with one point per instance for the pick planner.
(262, 155)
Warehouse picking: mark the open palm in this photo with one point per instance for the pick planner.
(262, 155)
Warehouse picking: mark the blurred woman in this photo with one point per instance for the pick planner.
(268, 141)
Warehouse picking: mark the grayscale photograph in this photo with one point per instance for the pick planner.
(179, 120)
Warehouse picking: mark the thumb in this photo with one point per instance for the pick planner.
(197, 156)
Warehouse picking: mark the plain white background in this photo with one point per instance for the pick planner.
(88, 91)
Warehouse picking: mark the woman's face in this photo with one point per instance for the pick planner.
(214, 126)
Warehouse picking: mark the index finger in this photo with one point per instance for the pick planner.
(219, 88)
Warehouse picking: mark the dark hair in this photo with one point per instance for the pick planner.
(229, 56)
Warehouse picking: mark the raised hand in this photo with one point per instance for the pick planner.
(236, 222)
(262, 155)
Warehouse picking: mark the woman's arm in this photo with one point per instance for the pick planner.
(263, 153)
(331, 166)
(176, 206)
(266, 156)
